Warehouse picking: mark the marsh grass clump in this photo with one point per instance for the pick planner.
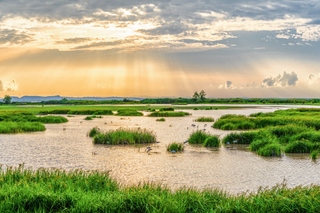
(125, 136)
(178, 147)
(167, 109)
(314, 154)
(212, 141)
(204, 119)
(52, 119)
(302, 146)
(90, 112)
(94, 131)
(240, 138)
(228, 126)
(161, 119)
(269, 150)
(196, 108)
(96, 116)
(168, 114)
(128, 112)
(57, 190)
(70, 116)
(198, 137)
(20, 127)
(209, 108)
(88, 118)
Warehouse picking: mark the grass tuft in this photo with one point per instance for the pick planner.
(161, 119)
(204, 119)
(198, 137)
(212, 141)
(175, 147)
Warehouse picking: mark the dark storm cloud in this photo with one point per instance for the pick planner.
(287, 79)
(14, 37)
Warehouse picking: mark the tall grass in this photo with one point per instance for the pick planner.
(53, 190)
(177, 147)
(204, 119)
(212, 141)
(167, 109)
(19, 127)
(124, 136)
(128, 112)
(240, 138)
(198, 136)
(161, 119)
(168, 114)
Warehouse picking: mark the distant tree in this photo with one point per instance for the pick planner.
(125, 100)
(195, 96)
(64, 101)
(7, 99)
(202, 95)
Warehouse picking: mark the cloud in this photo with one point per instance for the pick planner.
(14, 37)
(227, 85)
(312, 78)
(10, 86)
(73, 40)
(287, 79)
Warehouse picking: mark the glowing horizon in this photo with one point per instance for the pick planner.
(156, 49)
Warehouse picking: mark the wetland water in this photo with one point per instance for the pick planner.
(233, 168)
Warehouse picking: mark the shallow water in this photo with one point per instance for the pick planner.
(232, 168)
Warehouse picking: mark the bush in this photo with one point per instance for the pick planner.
(212, 141)
(175, 147)
(129, 112)
(198, 137)
(205, 119)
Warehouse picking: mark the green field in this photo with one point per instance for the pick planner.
(37, 109)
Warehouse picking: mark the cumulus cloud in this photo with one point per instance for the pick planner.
(227, 85)
(286, 79)
(313, 78)
(8, 86)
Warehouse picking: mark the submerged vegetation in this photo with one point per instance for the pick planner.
(122, 136)
(20, 121)
(168, 114)
(54, 190)
(176, 147)
(204, 119)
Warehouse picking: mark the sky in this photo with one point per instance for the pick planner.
(160, 48)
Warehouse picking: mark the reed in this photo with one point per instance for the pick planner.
(198, 136)
(212, 141)
(161, 119)
(20, 127)
(54, 190)
(177, 147)
(168, 114)
(128, 112)
(204, 119)
(125, 136)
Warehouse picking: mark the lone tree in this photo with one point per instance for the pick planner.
(7, 99)
(202, 95)
(195, 96)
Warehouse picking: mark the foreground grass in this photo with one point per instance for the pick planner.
(122, 136)
(53, 190)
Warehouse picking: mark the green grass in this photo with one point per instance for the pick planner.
(94, 131)
(204, 119)
(20, 127)
(129, 112)
(212, 141)
(240, 138)
(167, 109)
(198, 136)
(177, 147)
(161, 119)
(314, 154)
(168, 114)
(88, 118)
(124, 136)
(36, 109)
(54, 190)
(195, 108)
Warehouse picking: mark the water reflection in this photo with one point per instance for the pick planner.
(233, 168)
